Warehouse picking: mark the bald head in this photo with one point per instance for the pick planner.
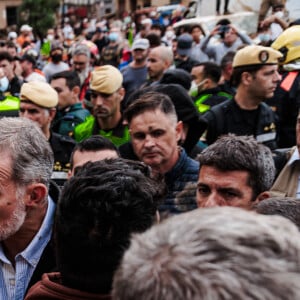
(159, 60)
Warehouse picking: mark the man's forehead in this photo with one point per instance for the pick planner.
(152, 113)
(80, 56)
(226, 176)
(4, 61)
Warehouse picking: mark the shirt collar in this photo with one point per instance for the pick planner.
(295, 156)
(34, 250)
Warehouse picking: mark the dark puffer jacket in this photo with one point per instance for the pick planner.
(180, 178)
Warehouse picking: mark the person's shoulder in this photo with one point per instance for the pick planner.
(193, 165)
(265, 109)
(89, 122)
(224, 104)
(125, 69)
(62, 139)
(190, 165)
(84, 129)
(77, 110)
(64, 65)
(217, 110)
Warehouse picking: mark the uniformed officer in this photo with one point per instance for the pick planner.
(106, 94)
(205, 89)
(286, 100)
(70, 111)
(38, 103)
(255, 74)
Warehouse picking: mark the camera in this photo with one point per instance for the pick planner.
(224, 28)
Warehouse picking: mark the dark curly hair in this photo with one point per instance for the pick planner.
(99, 209)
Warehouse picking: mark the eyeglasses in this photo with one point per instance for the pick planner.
(79, 63)
(31, 111)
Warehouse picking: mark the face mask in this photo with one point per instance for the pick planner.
(279, 14)
(196, 88)
(264, 37)
(127, 19)
(169, 34)
(4, 83)
(50, 37)
(113, 37)
(56, 58)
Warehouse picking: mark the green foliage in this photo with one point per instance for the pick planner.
(40, 14)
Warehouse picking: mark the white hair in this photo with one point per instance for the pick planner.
(213, 254)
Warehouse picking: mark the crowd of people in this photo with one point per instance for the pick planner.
(144, 162)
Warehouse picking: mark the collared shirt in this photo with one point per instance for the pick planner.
(295, 157)
(14, 281)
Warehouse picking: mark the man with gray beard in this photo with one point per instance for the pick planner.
(26, 210)
(81, 56)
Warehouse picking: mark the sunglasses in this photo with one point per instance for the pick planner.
(79, 63)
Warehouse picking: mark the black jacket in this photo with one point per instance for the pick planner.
(228, 117)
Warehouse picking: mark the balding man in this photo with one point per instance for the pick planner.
(160, 59)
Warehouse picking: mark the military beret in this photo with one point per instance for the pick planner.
(256, 55)
(40, 93)
(106, 79)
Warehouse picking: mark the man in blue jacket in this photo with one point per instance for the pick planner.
(155, 133)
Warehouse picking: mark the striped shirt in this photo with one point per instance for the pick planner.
(14, 281)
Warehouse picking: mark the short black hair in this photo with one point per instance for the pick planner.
(93, 143)
(237, 72)
(227, 58)
(211, 70)
(195, 26)
(4, 55)
(149, 101)
(154, 39)
(72, 78)
(241, 153)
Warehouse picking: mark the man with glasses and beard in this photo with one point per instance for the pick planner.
(81, 56)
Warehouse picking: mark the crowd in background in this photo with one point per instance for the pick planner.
(143, 133)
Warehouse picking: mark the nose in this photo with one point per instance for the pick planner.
(277, 76)
(26, 115)
(98, 100)
(149, 142)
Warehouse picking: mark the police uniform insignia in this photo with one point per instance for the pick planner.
(263, 56)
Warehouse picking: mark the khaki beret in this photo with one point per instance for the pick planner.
(106, 79)
(40, 93)
(256, 55)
